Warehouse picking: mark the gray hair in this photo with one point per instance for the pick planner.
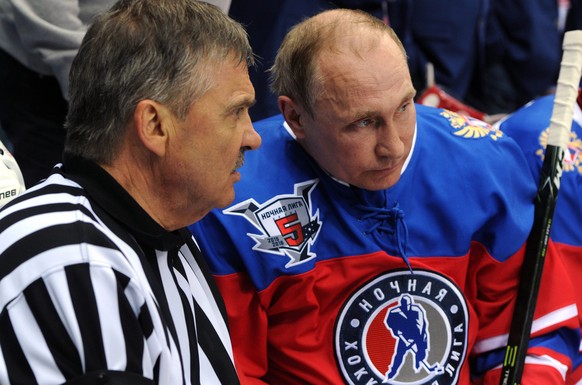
(163, 50)
(295, 71)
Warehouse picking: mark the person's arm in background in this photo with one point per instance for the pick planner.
(52, 33)
(523, 47)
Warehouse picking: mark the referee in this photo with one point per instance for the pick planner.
(100, 281)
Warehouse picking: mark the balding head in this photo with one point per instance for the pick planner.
(339, 31)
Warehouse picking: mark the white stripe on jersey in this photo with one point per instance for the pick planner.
(56, 283)
(176, 308)
(206, 367)
(3, 370)
(554, 318)
(32, 342)
(115, 353)
(199, 286)
(548, 361)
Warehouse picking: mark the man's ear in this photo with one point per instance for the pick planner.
(293, 114)
(151, 121)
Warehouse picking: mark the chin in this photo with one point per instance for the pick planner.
(226, 200)
(380, 184)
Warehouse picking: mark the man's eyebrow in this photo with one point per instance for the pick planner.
(370, 114)
(237, 103)
(364, 115)
(243, 102)
(410, 95)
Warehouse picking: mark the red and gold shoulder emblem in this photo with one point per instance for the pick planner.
(470, 128)
(572, 157)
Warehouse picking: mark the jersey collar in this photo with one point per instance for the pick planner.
(108, 194)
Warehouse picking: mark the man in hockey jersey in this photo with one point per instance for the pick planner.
(100, 280)
(529, 127)
(358, 197)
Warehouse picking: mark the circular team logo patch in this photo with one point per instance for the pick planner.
(403, 329)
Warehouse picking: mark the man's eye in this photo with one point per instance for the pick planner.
(239, 111)
(404, 107)
(364, 123)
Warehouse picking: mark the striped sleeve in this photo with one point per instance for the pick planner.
(75, 320)
(68, 303)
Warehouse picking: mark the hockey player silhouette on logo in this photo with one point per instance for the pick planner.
(408, 324)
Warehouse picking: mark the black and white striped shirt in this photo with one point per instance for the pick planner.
(91, 286)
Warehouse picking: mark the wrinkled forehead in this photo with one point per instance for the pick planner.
(351, 79)
(358, 53)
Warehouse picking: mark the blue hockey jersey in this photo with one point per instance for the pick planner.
(310, 267)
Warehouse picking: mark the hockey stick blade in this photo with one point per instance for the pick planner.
(537, 242)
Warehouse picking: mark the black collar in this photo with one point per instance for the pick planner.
(112, 198)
